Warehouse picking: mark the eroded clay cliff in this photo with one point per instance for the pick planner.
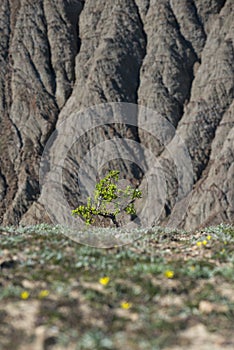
(175, 57)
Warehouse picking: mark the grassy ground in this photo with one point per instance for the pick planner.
(168, 290)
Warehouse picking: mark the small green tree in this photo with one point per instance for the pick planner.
(109, 200)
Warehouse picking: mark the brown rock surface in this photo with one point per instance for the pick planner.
(175, 57)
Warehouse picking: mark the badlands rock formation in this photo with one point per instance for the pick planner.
(174, 57)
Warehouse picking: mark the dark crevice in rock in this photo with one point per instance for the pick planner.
(189, 64)
(3, 185)
(17, 131)
(73, 13)
(144, 51)
(7, 165)
(199, 20)
(203, 166)
(220, 4)
(203, 12)
(7, 127)
(52, 72)
(186, 42)
(4, 61)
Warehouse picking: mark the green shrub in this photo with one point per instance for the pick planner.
(109, 200)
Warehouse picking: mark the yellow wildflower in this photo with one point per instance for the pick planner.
(43, 293)
(192, 268)
(199, 244)
(104, 280)
(169, 274)
(204, 242)
(126, 305)
(208, 237)
(24, 295)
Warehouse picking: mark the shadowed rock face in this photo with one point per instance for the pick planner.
(175, 57)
